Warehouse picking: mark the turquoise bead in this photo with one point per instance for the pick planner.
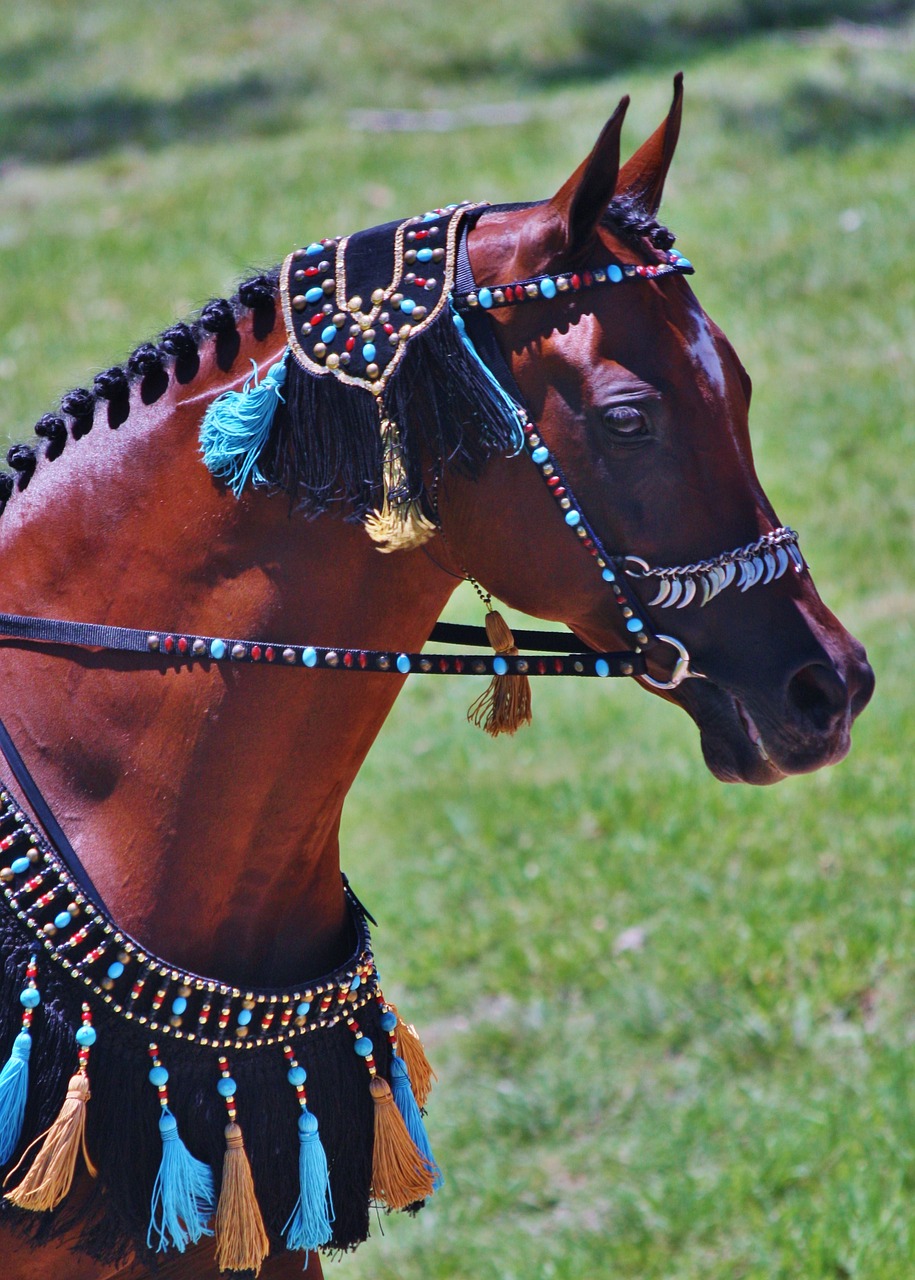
(158, 1076)
(608, 575)
(29, 998)
(500, 666)
(484, 296)
(388, 1020)
(217, 649)
(368, 352)
(601, 667)
(548, 288)
(296, 1075)
(540, 454)
(314, 295)
(62, 920)
(364, 1046)
(179, 1005)
(302, 1009)
(573, 518)
(403, 663)
(20, 866)
(424, 255)
(244, 1017)
(683, 262)
(328, 334)
(225, 1087)
(309, 656)
(314, 248)
(614, 274)
(408, 306)
(115, 969)
(85, 1036)
(356, 983)
(634, 624)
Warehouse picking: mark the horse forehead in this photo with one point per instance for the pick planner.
(702, 348)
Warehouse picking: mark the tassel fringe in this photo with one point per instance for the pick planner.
(14, 1087)
(242, 1243)
(183, 1198)
(309, 1224)
(505, 704)
(406, 1104)
(401, 1175)
(50, 1175)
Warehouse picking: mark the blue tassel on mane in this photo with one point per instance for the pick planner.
(14, 1087)
(183, 1198)
(309, 1223)
(407, 1106)
(237, 426)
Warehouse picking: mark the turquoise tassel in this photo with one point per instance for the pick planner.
(14, 1088)
(237, 426)
(183, 1198)
(513, 407)
(309, 1223)
(406, 1104)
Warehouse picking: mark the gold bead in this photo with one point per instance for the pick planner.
(333, 360)
(299, 303)
(371, 370)
(378, 297)
(355, 302)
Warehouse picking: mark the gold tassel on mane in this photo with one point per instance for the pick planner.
(242, 1242)
(401, 1174)
(396, 526)
(505, 705)
(51, 1173)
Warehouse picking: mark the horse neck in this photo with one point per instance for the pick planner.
(204, 804)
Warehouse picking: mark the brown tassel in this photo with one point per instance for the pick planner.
(242, 1243)
(51, 1173)
(505, 705)
(419, 1068)
(397, 526)
(401, 1175)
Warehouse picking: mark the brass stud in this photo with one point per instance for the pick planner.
(299, 302)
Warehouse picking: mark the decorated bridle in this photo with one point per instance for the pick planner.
(315, 317)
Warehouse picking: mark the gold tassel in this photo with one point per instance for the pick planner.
(397, 526)
(505, 704)
(242, 1243)
(51, 1173)
(401, 1175)
(419, 1068)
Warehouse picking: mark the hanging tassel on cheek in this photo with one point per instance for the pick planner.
(242, 1242)
(50, 1174)
(397, 525)
(505, 705)
(14, 1078)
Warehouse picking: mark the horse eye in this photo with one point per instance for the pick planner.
(626, 422)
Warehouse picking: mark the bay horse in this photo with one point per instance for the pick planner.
(203, 799)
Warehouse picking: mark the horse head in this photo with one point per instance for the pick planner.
(638, 406)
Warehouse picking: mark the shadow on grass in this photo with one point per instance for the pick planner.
(56, 129)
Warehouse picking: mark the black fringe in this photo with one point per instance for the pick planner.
(122, 1115)
(326, 444)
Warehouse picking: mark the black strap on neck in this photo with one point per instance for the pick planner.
(42, 811)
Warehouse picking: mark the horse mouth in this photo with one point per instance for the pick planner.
(732, 742)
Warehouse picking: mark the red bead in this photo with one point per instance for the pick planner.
(576, 282)
(519, 292)
(350, 344)
(459, 664)
(182, 644)
(541, 666)
(311, 271)
(588, 278)
(421, 235)
(347, 659)
(316, 319)
(443, 664)
(553, 481)
(528, 428)
(420, 281)
(388, 328)
(256, 653)
(363, 660)
(270, 653)
(169, 644)
(557, 665)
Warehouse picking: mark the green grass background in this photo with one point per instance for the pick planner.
(733, 1098)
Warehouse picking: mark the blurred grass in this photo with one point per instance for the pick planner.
(730, 1098)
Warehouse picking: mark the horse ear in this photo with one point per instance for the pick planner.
(641, 179)
(581, 202)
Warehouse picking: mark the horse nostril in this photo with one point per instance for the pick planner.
(819, 694)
